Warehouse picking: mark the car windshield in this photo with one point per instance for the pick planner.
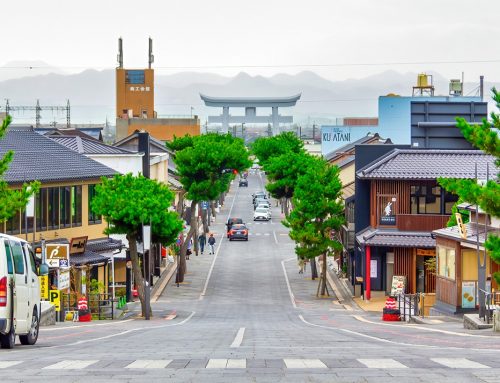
(261, 210)
(239, 227)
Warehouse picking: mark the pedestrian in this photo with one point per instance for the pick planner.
(188, 251)
(202, 239)
(301, 265)
(211, 243)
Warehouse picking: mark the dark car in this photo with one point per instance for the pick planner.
(238, 231)
(232, 221)
(243, 182)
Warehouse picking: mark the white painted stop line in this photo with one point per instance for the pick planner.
(9, 363)
(239, 338)
(304, 363)
(382, 363)
(149, 364)
(71, 365)
(458, 363)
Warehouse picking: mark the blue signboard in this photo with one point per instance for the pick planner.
(204, 205)
(334, 137)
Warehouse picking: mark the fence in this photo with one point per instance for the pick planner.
(101, 306)
(408, 305)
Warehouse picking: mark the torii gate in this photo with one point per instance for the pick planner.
(250, 104)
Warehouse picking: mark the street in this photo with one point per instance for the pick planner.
(246, 314)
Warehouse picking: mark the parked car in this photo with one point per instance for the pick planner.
(243, 182)
(262, 213)
(238, 231)
(19, 293)
(231, 222)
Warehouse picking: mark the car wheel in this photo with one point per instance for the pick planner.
(32, 336)
(246, 239)
(8, 340)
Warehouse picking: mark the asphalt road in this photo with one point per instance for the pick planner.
(244, 314)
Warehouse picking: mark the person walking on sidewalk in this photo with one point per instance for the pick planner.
(211, 243)
(202, 239)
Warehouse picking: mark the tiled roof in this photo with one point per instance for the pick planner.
(471, 231)
(104, 245)
(63, 132)
(376, 237)
(87, 258)
(37, 157)
(131, 142)
(429, 164)
(174, 183)
(88, 145)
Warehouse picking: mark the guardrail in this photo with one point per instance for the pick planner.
(408, 305)
(101, 306)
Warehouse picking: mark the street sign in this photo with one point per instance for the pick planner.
(55, 252)
(44, 286)
(204, 205)
(55, 299)
(63, 263)
(78, 245)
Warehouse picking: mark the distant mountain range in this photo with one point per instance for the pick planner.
(92, 93)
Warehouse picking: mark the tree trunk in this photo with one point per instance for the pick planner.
(184, 246)
(212, 209)
(204, 220)
(323, 276)
(136, 269)
(180, 204)
(314, 271)
(287, 211)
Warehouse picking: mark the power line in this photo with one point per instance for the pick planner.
(324, 65)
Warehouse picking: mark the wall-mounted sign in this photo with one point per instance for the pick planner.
(387, 213)
(77, 245)
(63, 281)
(461, 227)
(468, 294)
(44, 286)
(139, 88)
(373, 268)
(427, 252)
(55, 299)
(56, 252)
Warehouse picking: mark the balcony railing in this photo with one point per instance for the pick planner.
(421, 222)
(347, 237)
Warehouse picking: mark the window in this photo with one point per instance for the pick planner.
(31, 257)
(76, 206)
(8, 253)
(428, 199)
(446, 262)
(17, 254)
(41, 210)
(13, 224)
(93, 218)
(53, 208)
(134, 77)
(65, 206)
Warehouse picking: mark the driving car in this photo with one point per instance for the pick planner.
(231, 222)
(238, 231)
(19, 293)
(262, 213)
(260, 194)
(263, 205)
(243, 182)
(260, 201)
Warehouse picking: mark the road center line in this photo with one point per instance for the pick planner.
(292, 298)
(275, 238)
(239, 338)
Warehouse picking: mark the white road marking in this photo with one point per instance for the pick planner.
(70, 365)
(239, 338)
(458, 363)
(236, 363)
(267, 234)
(114, 323)
(149, 364)
(275, 238)
(258, 233)
(227, 363)
(304, 363)
(9, 363)
(382, 363)
(217, 363)
(292, 298)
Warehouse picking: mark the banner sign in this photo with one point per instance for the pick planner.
(63, 282)
(468, 294)
(55, 252)
(44, 286)
(398, 285)
(55, 299)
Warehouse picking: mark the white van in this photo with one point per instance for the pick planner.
(19, 293)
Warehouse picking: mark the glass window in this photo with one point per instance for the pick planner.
(93, 218)
(449, 201)
(425, 199)
(10, 268)
(13, 225)
(17, 254)
(65, 200)
(134, 77)
(446, 262)
(76, 206)
(53, 208)
(31, 257)
(41, 210)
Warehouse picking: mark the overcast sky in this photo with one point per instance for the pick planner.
(259, 36)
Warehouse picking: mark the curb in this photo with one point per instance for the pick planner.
(163, 281)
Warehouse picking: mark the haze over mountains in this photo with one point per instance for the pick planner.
(92, 93)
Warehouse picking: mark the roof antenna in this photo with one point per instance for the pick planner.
(120, 53)
(151, 57)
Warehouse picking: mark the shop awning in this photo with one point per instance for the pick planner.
(376, 237)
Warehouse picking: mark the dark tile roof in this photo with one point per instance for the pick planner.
(63, 132)
(429, 164)
(377, 237)
(37, 157)
(131, 142)
(101, 245)
(87, 258)
(88, 145)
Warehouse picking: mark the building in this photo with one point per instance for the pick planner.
(135, 105)
(62, 206)
(398, 204)
(457, 270)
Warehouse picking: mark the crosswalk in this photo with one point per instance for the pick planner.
(285, 364)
